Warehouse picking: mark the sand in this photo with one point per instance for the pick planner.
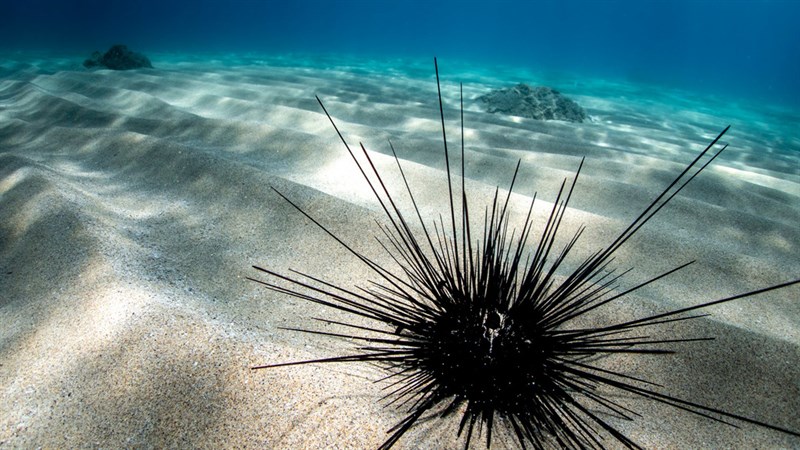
(132, 205)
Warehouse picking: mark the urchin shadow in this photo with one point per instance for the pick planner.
(481, 324)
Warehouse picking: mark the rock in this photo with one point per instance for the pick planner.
(540, 103)
(118, 57)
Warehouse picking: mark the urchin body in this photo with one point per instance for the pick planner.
(496, 363)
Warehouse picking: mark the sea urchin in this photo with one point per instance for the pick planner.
(485, 327)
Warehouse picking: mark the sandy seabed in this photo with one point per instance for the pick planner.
(132, 205)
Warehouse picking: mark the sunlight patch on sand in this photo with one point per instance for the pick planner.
(791, 187)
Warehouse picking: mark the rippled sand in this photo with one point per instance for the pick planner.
(132, 205)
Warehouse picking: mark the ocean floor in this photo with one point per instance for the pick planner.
(133, 204)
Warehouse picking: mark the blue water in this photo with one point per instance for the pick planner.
(742, 49)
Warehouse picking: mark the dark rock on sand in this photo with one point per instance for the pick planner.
(118, 57)
(540, 103)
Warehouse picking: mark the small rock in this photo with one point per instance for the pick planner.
(118, 57)
(540, 103)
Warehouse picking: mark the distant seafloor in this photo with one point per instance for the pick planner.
(132, 205)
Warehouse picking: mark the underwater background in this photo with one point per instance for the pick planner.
(741, 49)
(135, 203)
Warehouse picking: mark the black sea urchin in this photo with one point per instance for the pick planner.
(486, 328)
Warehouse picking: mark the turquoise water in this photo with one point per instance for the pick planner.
(740, 49)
